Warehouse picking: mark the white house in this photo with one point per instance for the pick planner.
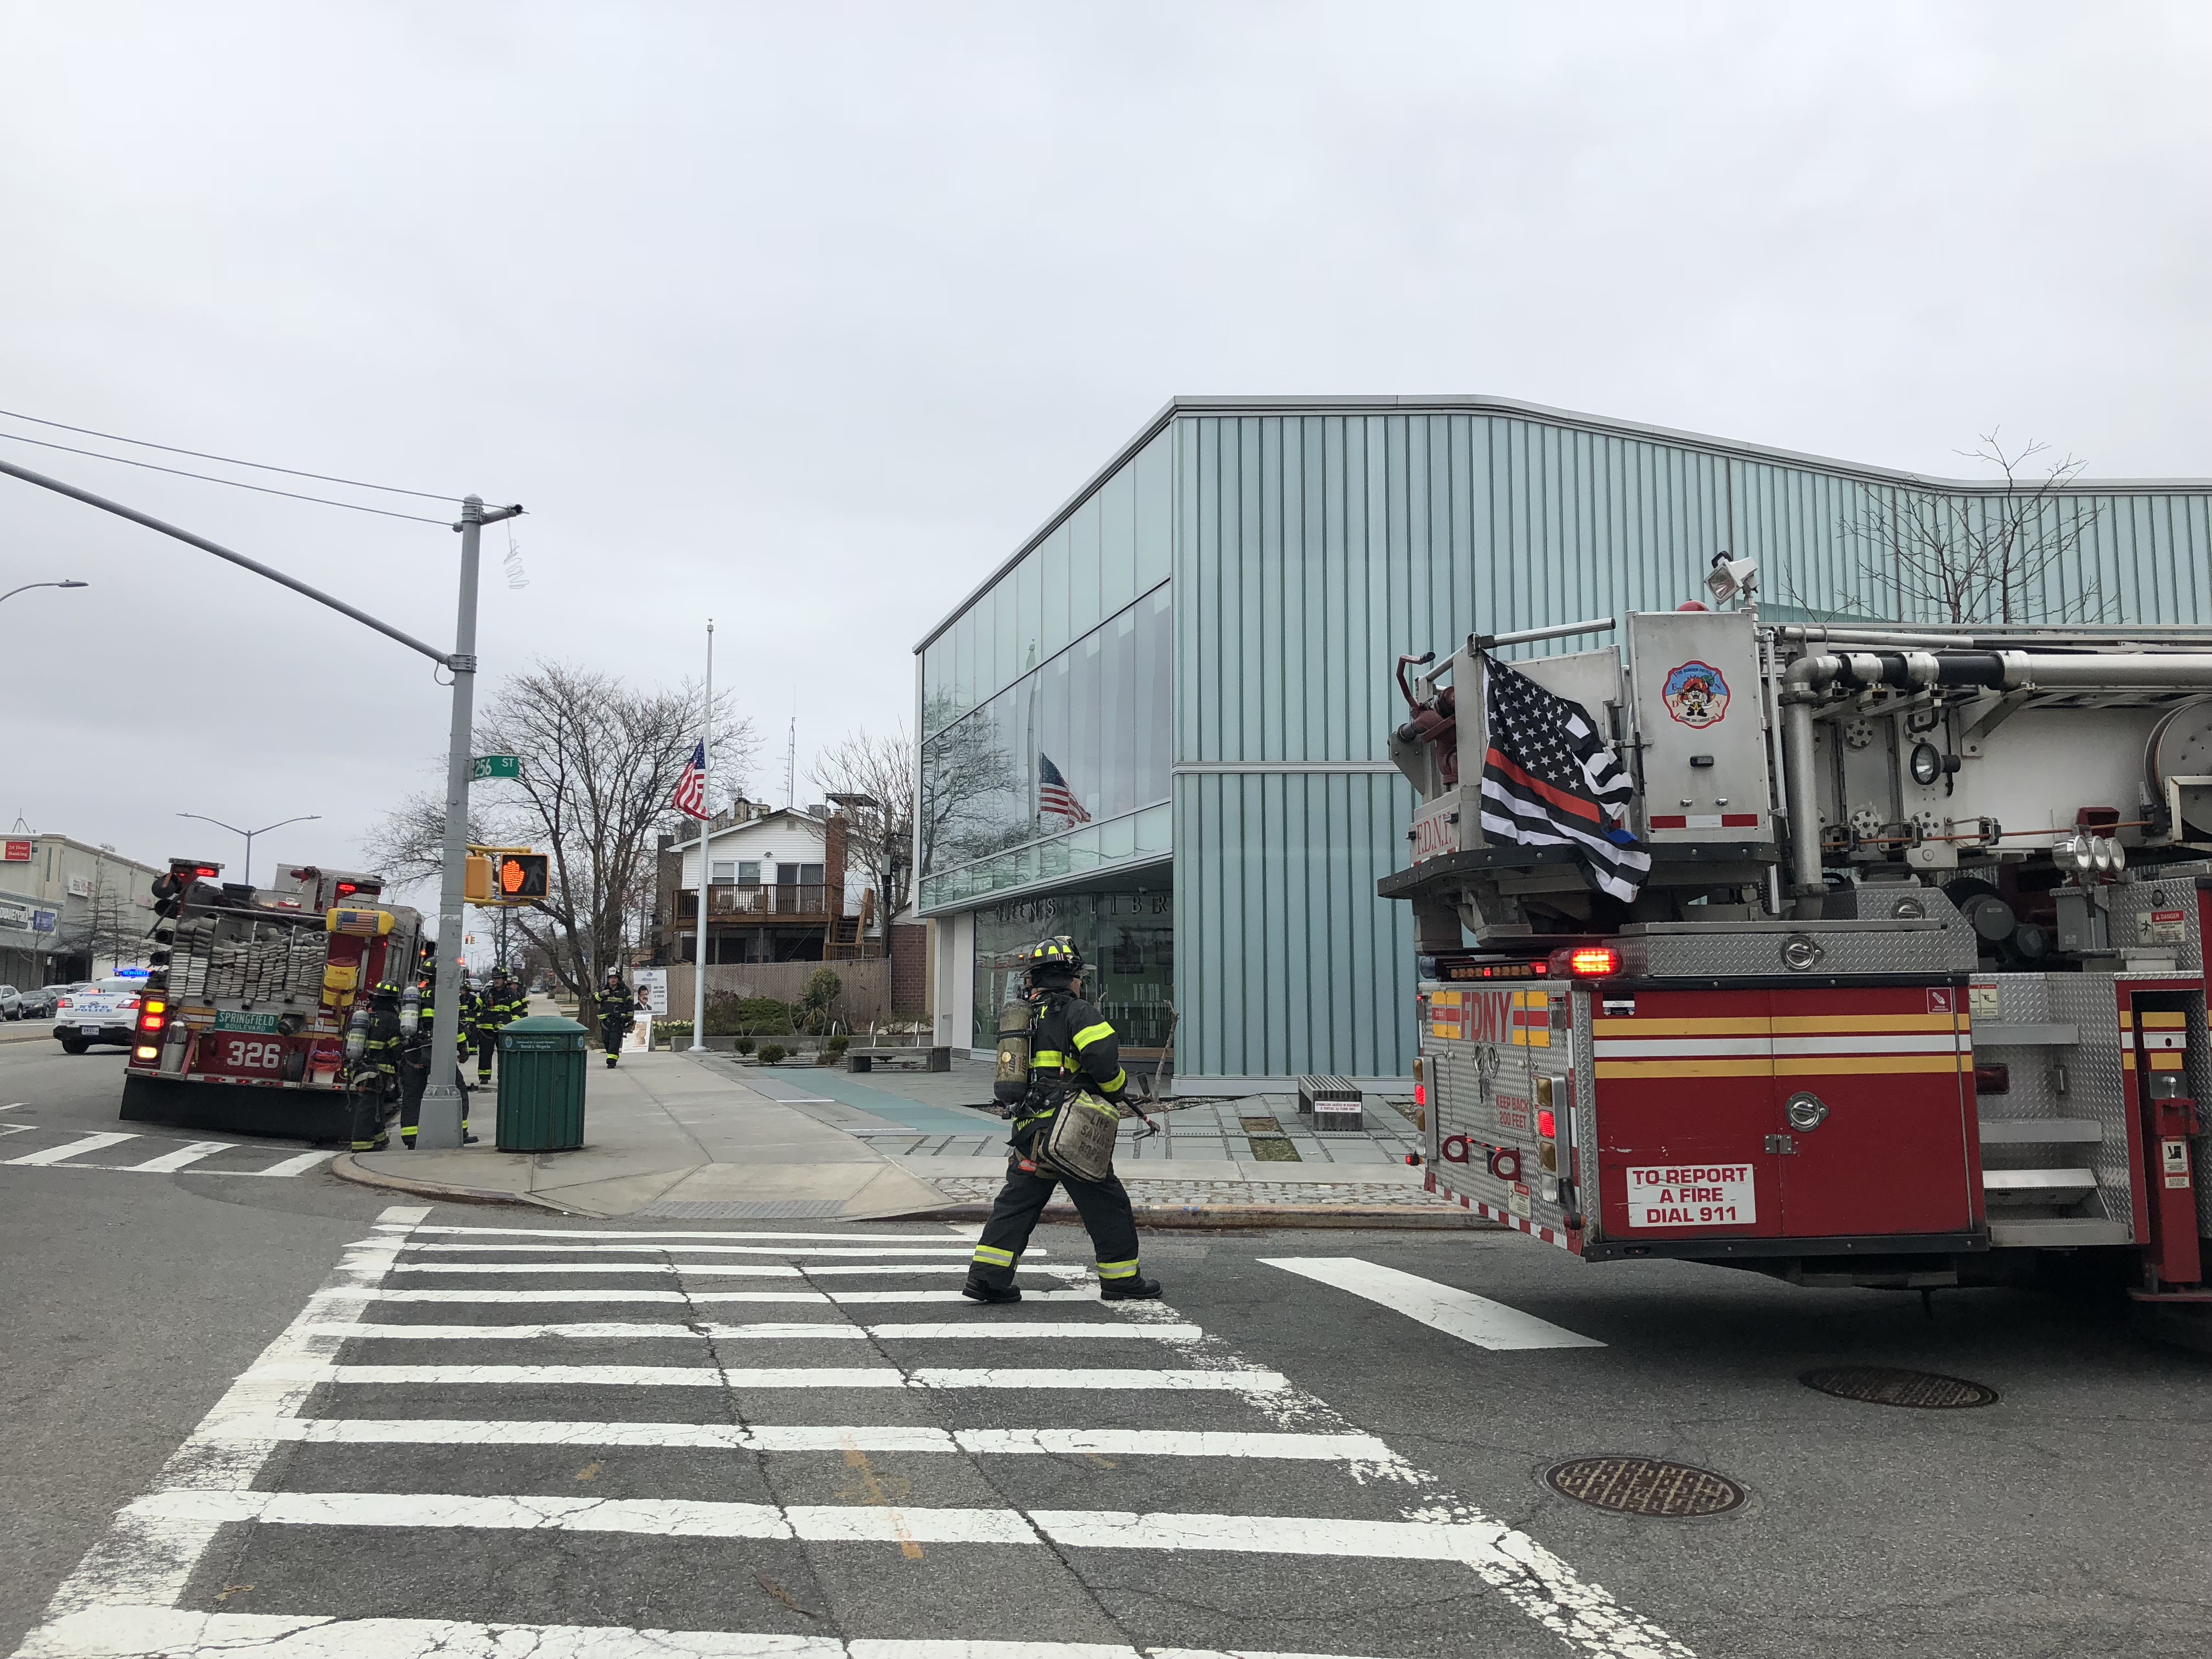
(776, 891)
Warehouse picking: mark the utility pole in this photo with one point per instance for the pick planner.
(442, 1099)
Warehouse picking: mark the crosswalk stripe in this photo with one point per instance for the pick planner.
(683, 1297)
(190, 1153)
(656, 1232)
(729, 1269)
(814, 1331)
(1457, 1313)
(1057, 1442)
(113, 1629)
(957, 1250)
(16, 1128)
(86, 1143)
(293, 1166)
(786, 1376)
(677, 1517)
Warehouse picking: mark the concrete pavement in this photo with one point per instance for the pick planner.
(673, 1136)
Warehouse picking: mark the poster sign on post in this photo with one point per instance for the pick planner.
(652, 991)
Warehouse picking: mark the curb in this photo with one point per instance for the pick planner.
(345, 1167)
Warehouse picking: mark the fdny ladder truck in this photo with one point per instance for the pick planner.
(1914, 992)
(255, 1012)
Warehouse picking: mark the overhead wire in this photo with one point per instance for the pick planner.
(235, 484)
(227, 461)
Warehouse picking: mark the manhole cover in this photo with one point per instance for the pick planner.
(1883, 1385)
(1644, 1486)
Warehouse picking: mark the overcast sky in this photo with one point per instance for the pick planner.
(804, 316)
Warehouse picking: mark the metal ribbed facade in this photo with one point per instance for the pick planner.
(1314, 541)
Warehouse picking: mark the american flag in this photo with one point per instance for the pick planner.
(691, 787)
(1548, 780)
(1054, 798)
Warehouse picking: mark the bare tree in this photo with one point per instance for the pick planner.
(968, 769)
(875, 773)
(111, 924)
(600, 762)
(2002, 555)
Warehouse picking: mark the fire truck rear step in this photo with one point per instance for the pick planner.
(2055, 1232)
(2040, 1186)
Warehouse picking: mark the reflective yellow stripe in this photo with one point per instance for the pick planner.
(1050, 1057)
(1117, 1270)
(1117, 1081)
(993, 1258)
(1090, 1033)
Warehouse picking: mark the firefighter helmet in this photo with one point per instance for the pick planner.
(1050, 959)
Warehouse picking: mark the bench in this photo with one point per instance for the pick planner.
(1332, 1103)
(933, 1060)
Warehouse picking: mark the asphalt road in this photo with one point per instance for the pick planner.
(660, 1460)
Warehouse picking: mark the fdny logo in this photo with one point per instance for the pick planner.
(1695, 694)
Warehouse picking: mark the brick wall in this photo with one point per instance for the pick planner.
(910, 956)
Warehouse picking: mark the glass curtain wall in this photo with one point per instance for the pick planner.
(1127, 941)
(1046, 703)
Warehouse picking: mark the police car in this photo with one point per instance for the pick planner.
(105, 1012)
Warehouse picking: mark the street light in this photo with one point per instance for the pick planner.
(246, 875)
(27, 586)
(440, 1117)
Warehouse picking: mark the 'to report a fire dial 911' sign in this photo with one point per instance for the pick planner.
(1691, 1196)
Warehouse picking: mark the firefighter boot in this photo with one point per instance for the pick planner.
(1132, 1289)
(976, 1291)
(610, 1061)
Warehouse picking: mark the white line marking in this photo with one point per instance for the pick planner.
(758, 1270)
(56, 1154)
(816, 1297)
(956, 1251)
(148, 1561)
(1117, 1443)
(190, 1153)
(300, 1372)
(724, 1233)
(1462, 1314)
(293, 1166)
(147, 1631)
(16, 1128)
(812, 1331)
(13, 1104)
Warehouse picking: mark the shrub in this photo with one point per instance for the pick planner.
(677, 1032)
(837, 1045)
(771, 1054)
(819, 1001)
(744, 1045)
(730, 1015)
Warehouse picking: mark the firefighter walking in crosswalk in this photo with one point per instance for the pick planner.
(1057, 1056)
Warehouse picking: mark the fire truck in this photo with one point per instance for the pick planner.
(255, 1010)
(1913, 994)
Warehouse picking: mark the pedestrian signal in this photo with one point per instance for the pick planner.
(522, 877)
(476, 879)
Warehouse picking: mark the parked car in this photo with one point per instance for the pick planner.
(11, 1003)
(107, 1012)
(41, 1003)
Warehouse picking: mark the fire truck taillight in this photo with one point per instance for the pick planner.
(146, 1051)
(1587, 962)
(1547, 1126)
(1421, 1094)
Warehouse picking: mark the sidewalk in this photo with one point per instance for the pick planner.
(673, 1136)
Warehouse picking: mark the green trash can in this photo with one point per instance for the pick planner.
(541, 1085)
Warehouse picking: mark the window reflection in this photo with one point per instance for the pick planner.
(1084, 737)
(1127, 941)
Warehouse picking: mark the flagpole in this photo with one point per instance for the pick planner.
(707, 805)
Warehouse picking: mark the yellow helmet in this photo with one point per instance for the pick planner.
(1050, 958)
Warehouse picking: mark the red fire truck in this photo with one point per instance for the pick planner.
(1914, 992)
(253, 994)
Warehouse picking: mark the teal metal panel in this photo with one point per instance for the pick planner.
(1287, 963)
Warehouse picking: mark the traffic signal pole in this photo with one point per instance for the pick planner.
(443, 1105)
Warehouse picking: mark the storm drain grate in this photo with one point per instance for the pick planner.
(1644, 1486)
(1884, 1385)
(778, 1209)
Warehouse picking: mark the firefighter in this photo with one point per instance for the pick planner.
(414, 1062)
(376, 1080)
(1071, 1046)
(617, 1006)
(499, 1005)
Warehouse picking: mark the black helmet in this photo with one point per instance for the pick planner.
(1050, 961)
(387, 992)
